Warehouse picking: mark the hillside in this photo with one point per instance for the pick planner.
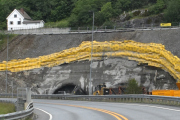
(24, 46)
(76, 13)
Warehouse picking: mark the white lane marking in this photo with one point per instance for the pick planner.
(152, 107)
(156, 107)
(50, 116)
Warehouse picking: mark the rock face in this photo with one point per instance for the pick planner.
(112, 71)
(143, 20)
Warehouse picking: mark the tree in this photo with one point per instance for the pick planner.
(61, 9)
(172, 13)
(107, 11)
(132, 87)
(158, 7)
(117, 6)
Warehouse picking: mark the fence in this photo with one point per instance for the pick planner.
(88, 29)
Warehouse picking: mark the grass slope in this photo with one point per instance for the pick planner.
(7, 108)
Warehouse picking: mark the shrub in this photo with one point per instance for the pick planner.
(132, 87)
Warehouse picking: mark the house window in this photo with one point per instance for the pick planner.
(15, 16)
(11, 22)
(18, 22)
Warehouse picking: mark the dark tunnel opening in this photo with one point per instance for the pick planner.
(70, 89)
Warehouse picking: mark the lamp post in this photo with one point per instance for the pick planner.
(90, 78)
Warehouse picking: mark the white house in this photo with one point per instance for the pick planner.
(19, 19)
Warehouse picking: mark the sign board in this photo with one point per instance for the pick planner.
(165, 24)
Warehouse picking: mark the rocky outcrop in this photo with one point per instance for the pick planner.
(138, 18)
(114, 72)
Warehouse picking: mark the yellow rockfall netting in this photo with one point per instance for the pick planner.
(152, 53)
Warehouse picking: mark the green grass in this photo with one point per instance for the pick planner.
(29, 117)
(3, 39)
(59, 24)
(7, 108)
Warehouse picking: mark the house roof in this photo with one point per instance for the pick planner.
(32, 21)
(24, 14)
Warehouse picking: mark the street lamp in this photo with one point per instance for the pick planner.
(90, 79)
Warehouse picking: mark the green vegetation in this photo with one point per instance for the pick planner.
(60, 24)
(73, 13)
(133, 88)
(29, 117)
(172, 13)
(7, 108)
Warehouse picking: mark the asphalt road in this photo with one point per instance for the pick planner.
(84, 110)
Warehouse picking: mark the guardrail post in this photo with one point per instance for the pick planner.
(177, 103)
(163, 102)
(133, 99)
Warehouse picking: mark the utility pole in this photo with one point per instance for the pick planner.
(90, 78)
(7, 63)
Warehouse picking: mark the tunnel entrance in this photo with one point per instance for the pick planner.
(70, 89)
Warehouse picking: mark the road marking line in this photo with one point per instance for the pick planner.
(153, 107)
(50, 116)
(158, 107)
(114, 114)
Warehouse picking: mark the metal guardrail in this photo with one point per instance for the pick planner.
(140, 98)
(116, 98)
(129, 98)
(16, 115)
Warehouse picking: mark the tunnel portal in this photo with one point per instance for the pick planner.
(70, 89)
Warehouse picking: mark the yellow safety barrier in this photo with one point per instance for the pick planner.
(165, 24)
(152, 53)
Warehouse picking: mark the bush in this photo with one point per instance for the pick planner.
(63, 23)
(108, 24)
(60, 24)
(132, 87)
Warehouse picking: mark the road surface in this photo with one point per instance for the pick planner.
(84, 110)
